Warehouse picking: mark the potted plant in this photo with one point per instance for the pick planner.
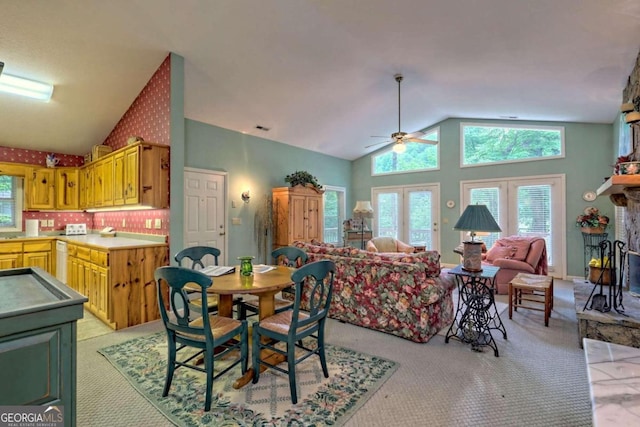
(303, 178)
(592, 222)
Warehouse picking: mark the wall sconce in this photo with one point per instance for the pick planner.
(246, 196)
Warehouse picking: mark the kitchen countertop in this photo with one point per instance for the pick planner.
(110, 242)
(614, 379)
(97, 241)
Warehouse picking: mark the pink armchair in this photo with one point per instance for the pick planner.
(516, 254)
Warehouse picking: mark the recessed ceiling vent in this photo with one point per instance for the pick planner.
(263, 128)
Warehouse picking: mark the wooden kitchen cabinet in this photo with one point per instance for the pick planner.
(297, 215)
(118, 283)
(30, 253)
(39, 188)
(86, 187)
(38, 254)
(67, 188)
(134, 175)
(131, 176)
(10, 255)
(107, 181)
(118, 178)
(98, 181)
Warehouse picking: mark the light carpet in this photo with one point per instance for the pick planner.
(353, 378)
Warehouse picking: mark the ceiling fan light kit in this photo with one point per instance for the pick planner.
(399, 148)
(399, 138)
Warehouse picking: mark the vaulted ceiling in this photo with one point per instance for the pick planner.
(318, 74)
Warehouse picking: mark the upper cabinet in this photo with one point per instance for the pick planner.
(67, 186)
(136, 175)
(39, 188)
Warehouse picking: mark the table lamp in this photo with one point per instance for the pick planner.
(362, 210)
(475, 218)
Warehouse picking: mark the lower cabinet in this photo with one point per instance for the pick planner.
(119, 283)
(32, 253)
(38, 254)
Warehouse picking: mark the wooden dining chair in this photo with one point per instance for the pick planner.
(207, 333)
(195, 255)
(289, 256)
(292, 326)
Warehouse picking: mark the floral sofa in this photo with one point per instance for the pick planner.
(397, 293)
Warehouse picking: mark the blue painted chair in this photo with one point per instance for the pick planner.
(289, 256)
(207, 333)
(292, 326)
(196, 254)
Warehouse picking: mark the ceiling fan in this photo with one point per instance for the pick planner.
(401, 137)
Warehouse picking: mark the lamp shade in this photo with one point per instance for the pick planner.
(477, 218)
(363, 209)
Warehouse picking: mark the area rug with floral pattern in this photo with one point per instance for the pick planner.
(353, 378)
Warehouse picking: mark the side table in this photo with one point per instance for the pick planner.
(476, 313)
(358, 237)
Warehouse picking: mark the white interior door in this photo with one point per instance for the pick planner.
(204, 210)
(408, 213)
(530, 206)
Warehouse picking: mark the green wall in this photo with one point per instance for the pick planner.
(256, 164)
(589, 150)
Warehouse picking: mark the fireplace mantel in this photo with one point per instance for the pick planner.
(617, 183)
(619, 188)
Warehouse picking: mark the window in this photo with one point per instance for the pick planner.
(418, 157)
(482, 144)
(334, 208)
(10, 203)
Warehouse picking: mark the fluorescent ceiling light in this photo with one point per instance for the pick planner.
(25, 87)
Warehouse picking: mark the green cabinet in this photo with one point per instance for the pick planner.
(38, 317)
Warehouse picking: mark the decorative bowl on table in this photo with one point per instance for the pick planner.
(629, 168)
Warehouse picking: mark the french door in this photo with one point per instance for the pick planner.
(408, 213)
(529, 206)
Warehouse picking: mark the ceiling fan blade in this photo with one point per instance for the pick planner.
(378, 136)
(378, 143)
(417, 134)
(422, 141)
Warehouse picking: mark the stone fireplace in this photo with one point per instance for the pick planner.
(619, 326)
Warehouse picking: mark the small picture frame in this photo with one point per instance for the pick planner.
(352, 224)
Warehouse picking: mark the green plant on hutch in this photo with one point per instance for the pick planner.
(303, 178)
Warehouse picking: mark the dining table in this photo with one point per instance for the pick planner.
(263, 285)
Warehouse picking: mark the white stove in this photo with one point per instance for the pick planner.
(75, 229)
